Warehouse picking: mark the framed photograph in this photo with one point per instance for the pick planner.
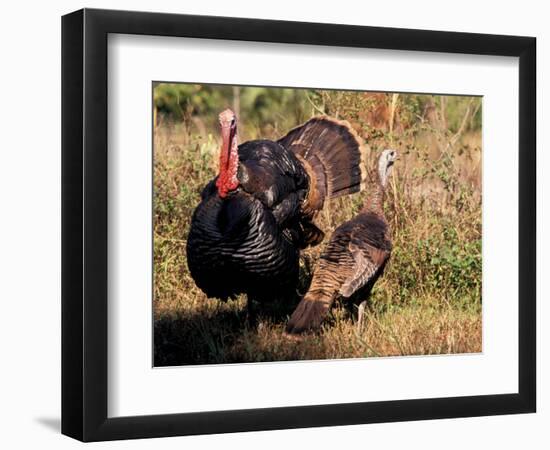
(273, 225)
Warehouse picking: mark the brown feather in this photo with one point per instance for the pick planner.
(368, 261)
(335, 152)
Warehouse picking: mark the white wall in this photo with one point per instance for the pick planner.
(30, 221)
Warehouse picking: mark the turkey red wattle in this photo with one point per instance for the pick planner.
(229, 157)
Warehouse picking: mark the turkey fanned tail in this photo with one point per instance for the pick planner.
(333, 156)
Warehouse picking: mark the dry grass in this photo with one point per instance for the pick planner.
(427, 302)
(219, 333)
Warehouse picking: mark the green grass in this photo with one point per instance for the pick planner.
(427, 302)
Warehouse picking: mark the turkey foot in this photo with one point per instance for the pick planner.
(361, 315)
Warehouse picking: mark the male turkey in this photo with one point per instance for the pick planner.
(256, 215)
(353, 259)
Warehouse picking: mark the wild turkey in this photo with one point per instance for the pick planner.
(256, 215)
(353, 259)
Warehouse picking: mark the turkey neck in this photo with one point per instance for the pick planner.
(229, 161)
(377, 194)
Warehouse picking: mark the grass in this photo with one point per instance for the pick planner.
(219, 333)
(427, 302)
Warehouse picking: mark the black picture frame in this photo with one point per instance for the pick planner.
(84, 224)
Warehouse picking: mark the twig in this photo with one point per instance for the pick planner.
(442, 111)
(163, 239)
(460, 130)
(474, 113)
(393, 106)
(314, 105)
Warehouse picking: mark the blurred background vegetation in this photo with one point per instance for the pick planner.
(265, 110)
(428, 301)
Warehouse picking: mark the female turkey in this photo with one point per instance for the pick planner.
(353, 259)
(256, 215)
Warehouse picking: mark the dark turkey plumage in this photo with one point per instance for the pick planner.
(248, 241)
